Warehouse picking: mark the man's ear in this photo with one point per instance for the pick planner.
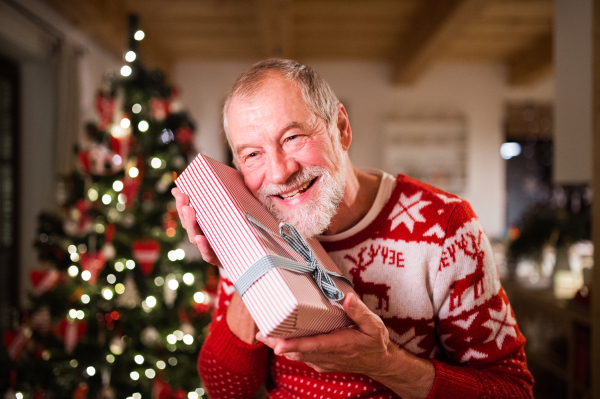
(343, 125)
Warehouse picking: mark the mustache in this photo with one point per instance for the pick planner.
(296, 180)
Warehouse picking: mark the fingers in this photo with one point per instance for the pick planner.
(367, 321)
(189, 223)
(206, 250)
(187, 215)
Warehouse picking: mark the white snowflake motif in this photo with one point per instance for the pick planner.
(502, 324)
(408, 211)
(409, 340)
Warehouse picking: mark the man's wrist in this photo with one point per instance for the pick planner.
(406, 374)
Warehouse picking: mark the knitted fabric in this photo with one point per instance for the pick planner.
(425, 266)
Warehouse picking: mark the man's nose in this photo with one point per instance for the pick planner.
(280, 167)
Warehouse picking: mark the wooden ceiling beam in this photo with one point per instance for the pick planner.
(435, 25)
(275, 23)
(532, 64)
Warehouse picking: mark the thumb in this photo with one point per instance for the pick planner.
(366, 320)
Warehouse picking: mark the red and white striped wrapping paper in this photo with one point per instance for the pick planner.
(283, 303)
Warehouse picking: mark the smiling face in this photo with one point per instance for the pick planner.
(287, 156)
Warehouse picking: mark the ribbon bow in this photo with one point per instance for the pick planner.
(296, 241)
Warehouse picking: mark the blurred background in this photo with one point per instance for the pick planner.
(493, 100)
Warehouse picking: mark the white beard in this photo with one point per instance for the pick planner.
(311, 218)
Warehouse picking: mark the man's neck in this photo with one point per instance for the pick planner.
(361, 191)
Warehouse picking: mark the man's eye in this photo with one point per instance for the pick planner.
(252, 155)
(292, 137)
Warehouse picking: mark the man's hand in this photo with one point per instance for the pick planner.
(187, 215)
(364, 348)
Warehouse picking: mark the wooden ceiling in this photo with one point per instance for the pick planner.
(411, 34)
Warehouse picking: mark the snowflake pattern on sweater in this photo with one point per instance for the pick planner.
(425, 266)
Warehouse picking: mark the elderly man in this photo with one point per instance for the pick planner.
(432, 319)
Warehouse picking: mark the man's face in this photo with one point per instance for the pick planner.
(287, 156)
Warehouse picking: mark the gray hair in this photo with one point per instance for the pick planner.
(316, 93)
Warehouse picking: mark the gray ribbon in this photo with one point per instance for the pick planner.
(296, 241)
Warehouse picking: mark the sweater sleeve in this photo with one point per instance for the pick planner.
(229, 367)
(475, 322)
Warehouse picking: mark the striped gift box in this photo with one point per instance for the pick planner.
(283, 303)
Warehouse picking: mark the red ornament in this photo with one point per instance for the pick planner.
(43, 280)
(160, 108)
(39, 394)
(179, 394)
(94, 263)
(105, 106)
(146, 253)
(160, 389)
(16, 342)
(70, 332)
(84, 159)
(121, 146)
(185, 137)
(81, 391)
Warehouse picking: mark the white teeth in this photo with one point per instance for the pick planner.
(292, 194)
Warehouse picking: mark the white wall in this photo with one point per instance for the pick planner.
(32, 47)
(476, 91)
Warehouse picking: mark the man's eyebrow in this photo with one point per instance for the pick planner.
(290, 126)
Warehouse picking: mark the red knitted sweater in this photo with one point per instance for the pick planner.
(425, 266)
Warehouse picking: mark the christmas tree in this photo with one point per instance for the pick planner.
(120, 299)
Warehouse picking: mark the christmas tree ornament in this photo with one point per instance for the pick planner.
(146, 253)
(105, 107)
(160, 389)
(179, 394)
(176, 103)
(108, 249)
(130, 298)
(70, 332)
(185, 138)
(159, 108)
(16, 342)
(117, 345)
(149, 336)
(81, 391)
(43, 280)
(93, 263)
(40, 320)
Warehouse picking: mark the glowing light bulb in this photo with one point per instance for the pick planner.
(143, 126)
(118, 185)
(173, 284)
(86, 275)
(151, 301)
(126, 70)
(134, 375)
(106, 199)
(93, 194)
(73, 271)
(188, 278)
(130, 56)
(133, 172)
(155, 163)
(150, 373)
(107, 293)
(199, 297)
(139, 35)
(91, 371)
(125, 123)
(85, 298)
(139, 359)
(137, 108)
(130, 264)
